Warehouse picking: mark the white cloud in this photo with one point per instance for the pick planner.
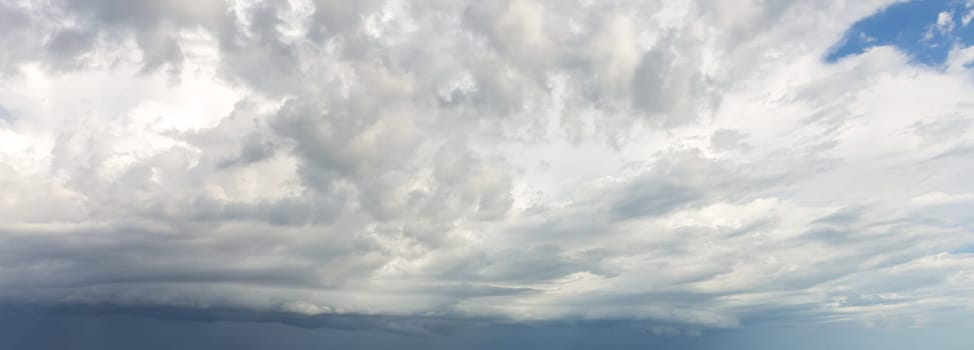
(687, 165)
(945, 22)
(938, 198)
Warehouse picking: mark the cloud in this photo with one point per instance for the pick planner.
(412, 166)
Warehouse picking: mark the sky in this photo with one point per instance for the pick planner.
(522, 174)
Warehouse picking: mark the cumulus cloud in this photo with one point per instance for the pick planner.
(412, 166)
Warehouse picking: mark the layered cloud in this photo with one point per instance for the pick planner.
(682, 165)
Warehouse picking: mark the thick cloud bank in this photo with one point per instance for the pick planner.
(684, 165)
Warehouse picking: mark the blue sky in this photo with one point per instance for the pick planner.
(515, 174)
(924, 30)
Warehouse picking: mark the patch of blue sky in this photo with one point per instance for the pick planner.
(5, 115)
(925, 30)
(964, 250)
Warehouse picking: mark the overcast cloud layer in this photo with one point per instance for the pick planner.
(684, 165)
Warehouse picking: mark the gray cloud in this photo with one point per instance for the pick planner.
(414, 166)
